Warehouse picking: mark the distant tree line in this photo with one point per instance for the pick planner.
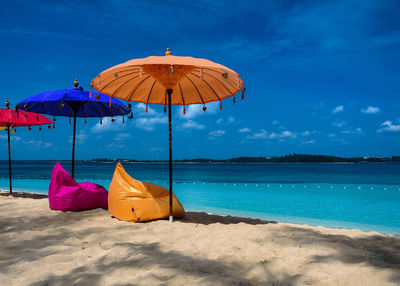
(291, 158)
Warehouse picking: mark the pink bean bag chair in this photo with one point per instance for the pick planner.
(65, 194)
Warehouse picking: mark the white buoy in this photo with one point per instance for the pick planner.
(318, 187)
(171, 218)
(268, 186)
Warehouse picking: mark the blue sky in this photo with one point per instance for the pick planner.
(322, 77)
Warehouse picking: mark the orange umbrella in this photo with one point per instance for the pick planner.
(169, 80)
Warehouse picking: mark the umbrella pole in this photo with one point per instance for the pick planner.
(73, 146)
(9, 158)
(171, 216)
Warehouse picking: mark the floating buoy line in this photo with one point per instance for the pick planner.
(279, 186)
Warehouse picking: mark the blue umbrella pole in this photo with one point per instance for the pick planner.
(9, 159)
(73, 146)
(171, 216)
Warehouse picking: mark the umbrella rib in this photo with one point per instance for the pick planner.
(98, 112)
(148, 98)
(226, 71)
(180, 88)
(221, 83)
(111, 81)
(209, 85)
(123, 84)
(201, 98)
(130, 95)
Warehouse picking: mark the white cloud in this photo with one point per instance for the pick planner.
(195, 110)
(339, 123)
(108, 125)
(219, 121)
(337, 109)
(283, 134)
(231, 119)
(308, 142)
(388, 126)
(217, 133)
(39, 144)
(370, 110)
(275, 122)
(190, 124)
(149, 123)
(331, 135)
(12, 137)
(122, 136)
(258, 135)
(80, 138)
(140, 109)
(244, 130)
(308, 133)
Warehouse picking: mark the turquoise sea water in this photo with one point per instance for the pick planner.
(363, 196)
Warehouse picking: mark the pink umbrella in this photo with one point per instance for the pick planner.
(11, 118)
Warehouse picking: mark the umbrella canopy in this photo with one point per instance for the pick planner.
(66, 102)
(10, 118)
(74, 102)
(194, 81)
(169, 80)
(16, 118)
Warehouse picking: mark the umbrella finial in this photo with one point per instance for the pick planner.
(76, 83)
(168, 52)
(7, 104)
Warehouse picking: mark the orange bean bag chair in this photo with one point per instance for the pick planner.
(132, 200)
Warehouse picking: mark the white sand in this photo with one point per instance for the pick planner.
(39, 246)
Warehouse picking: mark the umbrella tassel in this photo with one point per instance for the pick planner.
(165, 108)
(131, 115)
(70, 120)
(54, 126)
(40, 128)
(101, 121)
(147, 108)
(204, 108)
(243, 90)
(220, 105)
(37, 117)
(49, 126)
(123, 119)
(29, 128)
(234, 100)
(91, 91)
(184, 110)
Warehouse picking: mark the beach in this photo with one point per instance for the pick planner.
(39, 246)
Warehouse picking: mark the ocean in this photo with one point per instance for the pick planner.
(363, 196)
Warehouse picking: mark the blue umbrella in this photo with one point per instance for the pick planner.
(74, 102)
